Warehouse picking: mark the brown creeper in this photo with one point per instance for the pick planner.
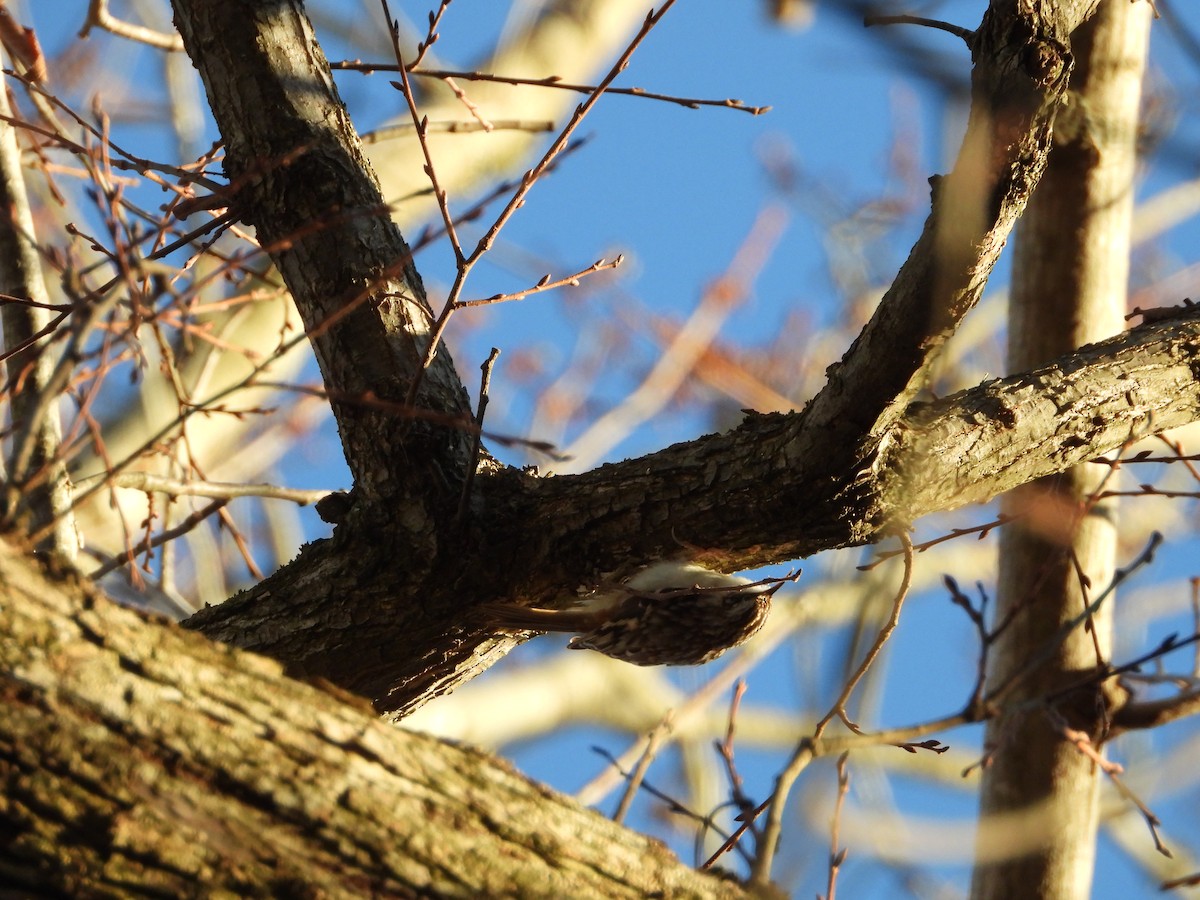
(669, 614)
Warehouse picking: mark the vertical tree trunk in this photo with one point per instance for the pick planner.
(1039, 799)
(38, 491)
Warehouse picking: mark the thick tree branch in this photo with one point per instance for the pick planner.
(760, 493)
(137, 758)
(1022, 65)
(299, 175)
(1153, 713)
(763, 493)
(571, 38)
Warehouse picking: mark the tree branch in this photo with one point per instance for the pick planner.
(220, 774)
(762, 493)
(302, 180)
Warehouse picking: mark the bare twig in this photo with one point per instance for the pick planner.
(1186, 881)
(1194, 582)
(149, 543)
(760, 873)
(981, 531)
(812, 748)
(967, 35)
(1113, 770)
(546, 284)
(471, 107)
(517, 200)
(455, 126)
(485, 382)
(420, 123)
(428, 234)
(725, 751)
(98, 16)
(836, 856)
(978, 618)
(673, 805)
(551, 82)
(431, 35)
(38, 484)
(1038, 657)
(839, 706)
(657, 739)
(146, 481)
(22, 45)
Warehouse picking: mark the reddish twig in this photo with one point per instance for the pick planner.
(552, 81)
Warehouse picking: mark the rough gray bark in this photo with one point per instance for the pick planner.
(137, 758)
(1022, 62)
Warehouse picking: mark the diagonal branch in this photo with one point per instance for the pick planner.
(311, 195)
(1022, 64)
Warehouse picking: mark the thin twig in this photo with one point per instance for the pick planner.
(657, 739)
(734, 839)
(810, 749)
(839, 706)
(982, 531)
(1194, 581)
(36, 452)
(471, 106)
(431, 35)
(485, 382)
(420, 122)
(429, 234)
(968, 36)
(157, 540)
(455, 126)
(546, 284)
(129, 161)
(1083, 743)
(21, 44)
(725, 751)
(551, 82)
(174, 487)
(978, 618)
(1035, 659)
(760, 872)
(673, 805)
(517, 200)
(836, 856)
(1169, 644)
(98, 16)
